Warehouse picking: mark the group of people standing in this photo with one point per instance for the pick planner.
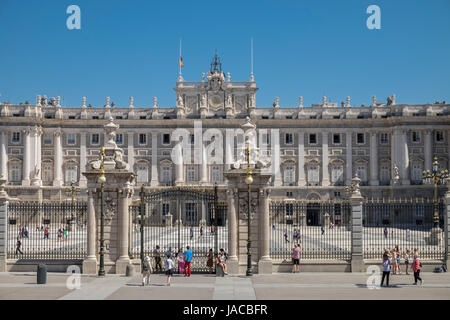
(184, 260)
(392, 260)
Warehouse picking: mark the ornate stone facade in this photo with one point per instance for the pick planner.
(45, 146)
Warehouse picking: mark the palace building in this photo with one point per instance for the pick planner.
(45, 146)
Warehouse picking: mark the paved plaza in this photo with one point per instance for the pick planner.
(328, 286)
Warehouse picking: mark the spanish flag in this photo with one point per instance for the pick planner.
(181, 62)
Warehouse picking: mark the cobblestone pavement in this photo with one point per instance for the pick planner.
(329, 286)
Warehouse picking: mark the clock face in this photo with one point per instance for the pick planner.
(216, 100)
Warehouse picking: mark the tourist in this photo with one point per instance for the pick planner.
(26, 231)
(386, 268)
(399, 255)
(146, 271)
(222, 261)
(394, 260)
(188, 260)
(408, 234)
(286, 236)
(209, 261)
(331, 225)
(180, 258)
(157, 256)
(18, 245)
(385, 232)
(322, 229)
(406, 257)
(168, 264)
(46, 232)
(417, 266)
(296, 258)
(169, 252)
(212, 229)
(201, 231)
(191, 232)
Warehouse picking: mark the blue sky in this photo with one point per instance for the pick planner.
(301, 48)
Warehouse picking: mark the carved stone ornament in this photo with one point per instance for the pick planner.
(243, 204)
(110, 210)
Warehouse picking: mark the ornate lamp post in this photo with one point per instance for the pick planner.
(102, 180)
(72, 192)
(249, 181)
(142, 220)
(435, 177)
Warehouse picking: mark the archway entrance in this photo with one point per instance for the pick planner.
(313, 214)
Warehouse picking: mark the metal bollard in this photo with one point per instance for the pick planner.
(129, 271)
(41, 273)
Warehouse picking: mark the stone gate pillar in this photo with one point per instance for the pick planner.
(447, 224)
(232, 263)
(3, 224)
(118, 190)
(356, 202)
(265, 263)
(90, 263)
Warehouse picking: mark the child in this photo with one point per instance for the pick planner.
(146, 271)
(168, 264)
(180, 258)
(417, 266)
(386, 268)
(406, 257)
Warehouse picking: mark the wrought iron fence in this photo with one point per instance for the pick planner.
(321, 227)
(47, 230)
(177, 217)
(406, 223)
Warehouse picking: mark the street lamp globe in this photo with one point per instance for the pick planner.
(249, 179)
(101, 179)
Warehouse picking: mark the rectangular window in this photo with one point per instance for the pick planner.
(289, 175)
(48, 139)
(165, 209)
(71, 174)
(336, 138)
(415, 136)
(289, 139)
(95, 138)
(312, 138)
(416, 173)
(216, 174)
(289, 209)
(16, 136)
(289, 194)
(141, 174)
(119, 138)
(71, 138)
(313, 176)
(439, 136)
(166, 176)
(360, 138)
(191, 174)
(384, 138)
(142, 138)
(166, 138)
(15, 174)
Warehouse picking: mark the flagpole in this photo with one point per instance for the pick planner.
(179, 59)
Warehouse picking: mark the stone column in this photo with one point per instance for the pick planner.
(394, 156)
(356, 202)
(349, 163)
(275, 149)
(58, 158)
(404, 150)
(325, 169)
(130, 156)
(155, 180)
(374, 181)
(83, 157)
(447, 224)
(123, 222)
(233, 263)
(3, 225)
(4, 155)
(90, 263)
(179, 167)
(204, 167)
(35, 156)
(301, 160)
(26, 158)
(265, 263)
(428, 149)
(203, 215)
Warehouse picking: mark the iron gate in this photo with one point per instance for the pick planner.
(176, 217)
(47, 230)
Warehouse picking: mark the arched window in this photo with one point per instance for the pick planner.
(416, 173)
(166, 174)
(337, 174)
(71, 173)
(141, 173)
(15, 172)
(385, 174)
(191, 174)
(47, 172)
(313, 175)
(289, 175)
(216, 174)
(361, 171)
